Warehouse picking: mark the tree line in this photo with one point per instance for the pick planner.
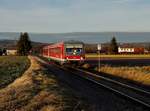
(24, 44)
(110, 48)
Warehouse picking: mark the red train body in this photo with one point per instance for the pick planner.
(65, 52)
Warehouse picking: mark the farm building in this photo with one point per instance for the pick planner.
(12, 51)
(125, 50)
(131, 50)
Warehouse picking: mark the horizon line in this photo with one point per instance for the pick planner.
(77, 32)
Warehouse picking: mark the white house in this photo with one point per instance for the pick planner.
(11, 51)
(125, 50)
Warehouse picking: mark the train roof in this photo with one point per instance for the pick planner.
(63, 42)
(73, 42)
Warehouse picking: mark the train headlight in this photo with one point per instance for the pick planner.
(81, 58)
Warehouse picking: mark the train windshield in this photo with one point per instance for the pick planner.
(73, 51)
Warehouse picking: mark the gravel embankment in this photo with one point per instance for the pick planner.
(100, 99)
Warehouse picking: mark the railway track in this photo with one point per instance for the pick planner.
(135, 94)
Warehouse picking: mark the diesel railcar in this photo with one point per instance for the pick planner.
(65, 52)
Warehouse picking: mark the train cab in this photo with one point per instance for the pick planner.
(65, 52)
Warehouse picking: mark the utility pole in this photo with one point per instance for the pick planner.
(99, 47)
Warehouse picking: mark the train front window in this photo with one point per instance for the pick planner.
(73, 51)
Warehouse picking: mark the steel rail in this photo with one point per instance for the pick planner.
(109, 87)
(114, 81)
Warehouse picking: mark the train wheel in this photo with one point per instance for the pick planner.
(61, 63)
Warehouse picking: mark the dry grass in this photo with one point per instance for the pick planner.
(86, 66)
(118, 56)
(37, 90)
(138, 74)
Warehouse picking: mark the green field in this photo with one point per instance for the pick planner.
(118, 56)
(12, 67)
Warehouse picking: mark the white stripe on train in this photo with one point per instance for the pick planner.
(63, 60)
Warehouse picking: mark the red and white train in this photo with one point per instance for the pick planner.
(65, 52)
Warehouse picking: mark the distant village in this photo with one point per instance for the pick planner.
(127, 49)
(9, 47)
(89, 48)
(123, 48)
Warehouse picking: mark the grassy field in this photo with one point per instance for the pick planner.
(136, 73)
(38, 90)
(118, 56)
(12, 67)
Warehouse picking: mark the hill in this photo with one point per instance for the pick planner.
(12, 44)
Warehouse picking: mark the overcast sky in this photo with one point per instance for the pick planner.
(54, 16)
